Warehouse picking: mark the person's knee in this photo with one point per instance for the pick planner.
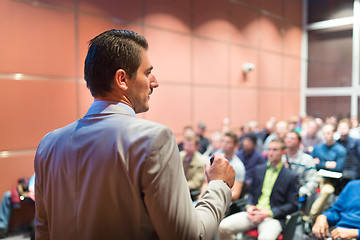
(233, 224)
(270, 229)
(327, 189)
(225, 231)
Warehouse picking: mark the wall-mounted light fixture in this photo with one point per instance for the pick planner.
(247, 67)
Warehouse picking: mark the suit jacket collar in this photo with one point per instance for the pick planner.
(263, 172)
(109, 107)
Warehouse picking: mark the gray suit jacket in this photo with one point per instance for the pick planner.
(111, 175)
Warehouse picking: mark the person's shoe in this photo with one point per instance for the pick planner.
(3, 232)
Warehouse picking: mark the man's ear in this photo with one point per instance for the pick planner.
(121, 79)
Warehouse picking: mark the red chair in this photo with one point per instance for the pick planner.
(253, 233)
(288, 232)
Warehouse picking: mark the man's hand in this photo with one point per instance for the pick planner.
(260, 215)
(344, 233)
(330, 164)
(321, 226)
(257, 215)
(220, 170)
(316, 160)
(252, 210)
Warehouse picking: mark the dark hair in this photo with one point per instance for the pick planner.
(252, 137)
(296, 133)
(233, 136)
(108, 52)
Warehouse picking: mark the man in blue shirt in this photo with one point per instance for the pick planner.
(351, 169)
(344, 215)
(329, 156)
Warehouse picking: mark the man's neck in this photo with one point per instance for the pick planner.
(330, 143)
(292, 151)
(311, 136)
(274, 163)
(344, 137)
(229, 156)
(114, 97)
(248, 152)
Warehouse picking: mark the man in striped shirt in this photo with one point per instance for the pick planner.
(301, 163)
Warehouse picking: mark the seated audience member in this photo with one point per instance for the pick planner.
(351, 169)
(251, 127)
(355, 128)
(204, 142)
(332, 120)
(310, 138)
(268, 129)
(193, 163)
(215, 144)
(273, 195)
(228, 148)
(329, 156)
(294, 124)
(188, 131)
(250, 157)
(301, 163)
(225, 125)
(7, 204)
(342, 220)
(281, 129)
(244, 129)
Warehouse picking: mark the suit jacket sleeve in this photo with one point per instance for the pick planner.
(167, 198)
(41, 221)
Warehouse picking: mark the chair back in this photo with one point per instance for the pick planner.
(290, 226)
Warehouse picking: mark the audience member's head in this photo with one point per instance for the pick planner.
(331, 120)
(270, 125)
(244, 129)
(281, 129)
(253, 126)
(319, 122)
(249, 142)
(275, 151)
(188, 131)
(216, 140)
(328, 132)
(344, 128)
(292, 140)
(200, 129)
(354, 122)
(312, 128)
(191, 144)
(292, 123)
(229, 143)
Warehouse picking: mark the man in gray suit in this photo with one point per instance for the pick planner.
(111, 175)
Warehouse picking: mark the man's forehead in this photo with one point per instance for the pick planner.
(275, 144)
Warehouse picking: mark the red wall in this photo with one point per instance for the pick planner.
(197, 48)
